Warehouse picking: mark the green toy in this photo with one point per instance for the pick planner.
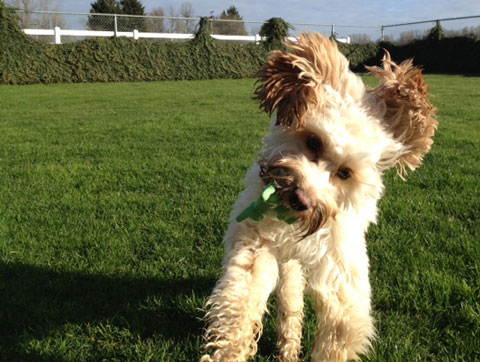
(266, 202)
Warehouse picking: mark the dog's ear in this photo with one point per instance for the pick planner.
(294, 82)
(406, 111)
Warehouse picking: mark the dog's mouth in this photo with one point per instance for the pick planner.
(278, 176)
(312, 214)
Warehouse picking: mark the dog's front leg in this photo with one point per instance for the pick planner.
(238, 302)
(345, 327)
(290, 310)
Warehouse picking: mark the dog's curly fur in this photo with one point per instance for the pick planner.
(326, 151)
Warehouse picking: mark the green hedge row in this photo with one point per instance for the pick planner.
(448, 55)
(26, 61)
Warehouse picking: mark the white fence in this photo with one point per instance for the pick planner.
(53, 26)
(57, 33)
(80, 25)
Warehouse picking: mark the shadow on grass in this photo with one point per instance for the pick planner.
(36, 302)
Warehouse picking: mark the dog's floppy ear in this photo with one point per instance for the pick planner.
(407, 113)
(292, 82)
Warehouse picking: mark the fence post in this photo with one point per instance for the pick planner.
(58, 39)
(383, 33)
(333, 31)
(135, 34)
(211, 24)
(115, 30)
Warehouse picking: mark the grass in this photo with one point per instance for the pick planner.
(114, 199)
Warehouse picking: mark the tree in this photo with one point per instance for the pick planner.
(103, 7)
(409, 36)
(388, 39)
(360, 39)
(106, 7)
(127, 7)
(172, 23)
(156, 25)
(275, 30)
(437, 32)
(180, 25)
(132, 7)
(235, 27)
(186, 11)
(28, 19)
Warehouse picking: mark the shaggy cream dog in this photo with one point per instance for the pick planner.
(325, 155)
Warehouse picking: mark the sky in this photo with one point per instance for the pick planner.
(358, 12)
(339, 12)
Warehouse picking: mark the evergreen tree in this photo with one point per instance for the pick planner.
(103, 7)
(106, 7)
(275, 30)
(230, 28)
(132, 7)
(437, 32)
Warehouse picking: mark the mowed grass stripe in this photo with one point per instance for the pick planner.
(114, 199)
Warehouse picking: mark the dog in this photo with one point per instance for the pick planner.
(324, 156)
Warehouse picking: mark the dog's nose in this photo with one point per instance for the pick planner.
(299, 201)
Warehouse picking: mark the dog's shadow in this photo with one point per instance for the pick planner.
(36, 302)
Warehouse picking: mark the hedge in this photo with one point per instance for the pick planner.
(24, 60)
(447, 55)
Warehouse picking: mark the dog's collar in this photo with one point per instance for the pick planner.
(267, 201)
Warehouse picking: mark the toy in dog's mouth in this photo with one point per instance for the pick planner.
(289, 193)
(268, 202)
(311, 214)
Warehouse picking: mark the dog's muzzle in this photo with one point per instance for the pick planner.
(312, 214)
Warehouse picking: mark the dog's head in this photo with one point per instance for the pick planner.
(333, 138)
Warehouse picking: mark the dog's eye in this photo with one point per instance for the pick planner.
(314, 144)
(344, 173)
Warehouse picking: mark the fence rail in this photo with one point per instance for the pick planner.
(72, 24)
(434, 21)
(81, 25)
(135, 34)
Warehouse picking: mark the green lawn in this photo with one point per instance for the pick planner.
(114, 199)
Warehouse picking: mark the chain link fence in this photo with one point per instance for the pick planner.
(401, 34)
(345, 33)
(397, 33)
